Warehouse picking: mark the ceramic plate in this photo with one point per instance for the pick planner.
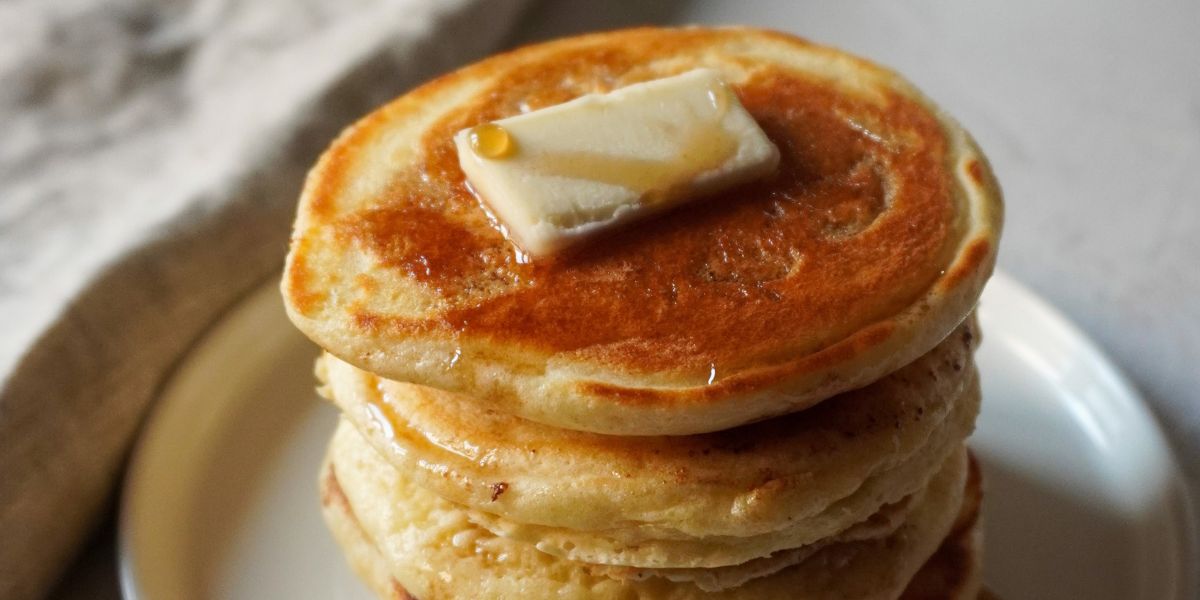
(1084, 499)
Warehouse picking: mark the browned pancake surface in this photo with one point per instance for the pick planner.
(798, 273)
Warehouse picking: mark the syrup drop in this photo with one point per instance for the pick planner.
(490, 140)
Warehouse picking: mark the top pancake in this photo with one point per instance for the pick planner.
(866, 248)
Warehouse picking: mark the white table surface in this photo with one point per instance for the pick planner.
(1090, 113)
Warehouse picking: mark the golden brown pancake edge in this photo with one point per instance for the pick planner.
(581, 347)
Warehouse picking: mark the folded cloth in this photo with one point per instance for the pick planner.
(151, 158)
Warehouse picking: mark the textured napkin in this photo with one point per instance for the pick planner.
(151, 153)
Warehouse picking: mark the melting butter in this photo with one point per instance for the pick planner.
(603, 160)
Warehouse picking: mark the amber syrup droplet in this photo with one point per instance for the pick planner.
(490, 140)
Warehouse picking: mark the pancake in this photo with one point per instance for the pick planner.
(867, 248)
(955, 571)
(636, 547)
(952, 573)
(880, 525)
(685, 501)
(430, 547)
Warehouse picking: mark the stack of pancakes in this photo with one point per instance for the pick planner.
(763, 394)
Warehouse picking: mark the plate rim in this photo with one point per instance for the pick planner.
(1179, 493)
(136, 463)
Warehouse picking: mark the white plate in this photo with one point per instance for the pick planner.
(1084, 500)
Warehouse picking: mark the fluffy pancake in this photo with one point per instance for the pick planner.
(880, 525)
(431, 548)
(864, 251)
(954, 572)
(842, 520)
(684, 501)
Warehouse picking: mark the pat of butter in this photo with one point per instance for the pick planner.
(560, 174)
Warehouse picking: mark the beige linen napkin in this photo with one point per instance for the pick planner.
(151, 153)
